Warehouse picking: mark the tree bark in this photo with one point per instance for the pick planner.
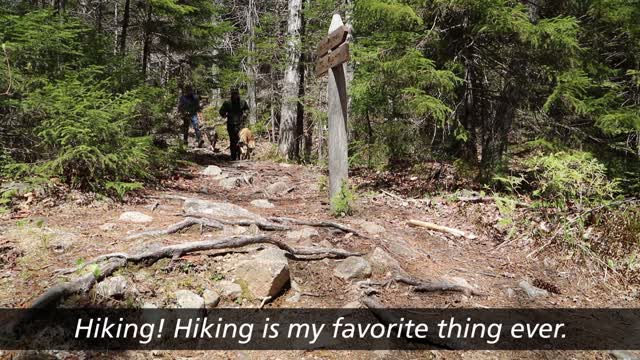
(125, 27)
(251, 66)
(291, 84)
(146, 49)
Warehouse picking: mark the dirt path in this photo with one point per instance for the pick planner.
(54, 238)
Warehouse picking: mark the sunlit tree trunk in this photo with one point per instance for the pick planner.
(291, 84)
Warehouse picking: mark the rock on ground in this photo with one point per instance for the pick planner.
(303, 234)
(278, 188)
(262, 204)
(382, 262)
(212, 171)
(266, 274)
(353, 268)
(532, 291)
(230, 183)
(108, 227)
(60, 241)
(219, 210)
(112, 287)
(372, 228)
(189, 300)
(135, 217)
(211, 299)
(228, 290)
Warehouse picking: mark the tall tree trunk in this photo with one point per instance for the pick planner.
(251, 66)
(146, 48)
(125, 27)
(291, 84)
(300, 118)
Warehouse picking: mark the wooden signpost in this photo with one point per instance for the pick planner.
(333, 54)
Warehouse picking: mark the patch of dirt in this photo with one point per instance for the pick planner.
(28, 265)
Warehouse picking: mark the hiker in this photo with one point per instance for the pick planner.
(234, 110)
(189, 108)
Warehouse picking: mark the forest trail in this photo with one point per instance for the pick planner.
(50, 239)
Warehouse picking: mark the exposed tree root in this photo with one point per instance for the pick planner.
(330, 224)
(387, 317)
(186, 223)
(437, 285)
(266, 226)
(79, 285)
(108, 264)
(422, 285)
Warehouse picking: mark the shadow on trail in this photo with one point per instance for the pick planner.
(205, 157)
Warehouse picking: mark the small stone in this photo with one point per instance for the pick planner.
(277, 188)
(624, 355)
(135, 217)
(112, 287)
(303, 234)
(108, 227)
(253, 229)
(235, 230)
(148, 305)
(532, 291)
(372, 228)
(230, 183)
(211, 299)
(295, 298)
(219, 210)
(61, 242)
(353, 268)
(352, 305)
(228, 290)
(262, 204)
(189, 300)
(212, 170)
(510, 292)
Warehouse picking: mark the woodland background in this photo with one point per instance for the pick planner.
(537, 99)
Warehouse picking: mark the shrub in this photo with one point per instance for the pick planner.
(342, 203)
(570, 177)
(85, 133)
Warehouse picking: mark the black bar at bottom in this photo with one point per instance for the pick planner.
(333, 329)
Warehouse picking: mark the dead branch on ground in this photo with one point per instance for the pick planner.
(443, 229)
(329, 224)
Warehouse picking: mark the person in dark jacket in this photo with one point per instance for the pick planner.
(234, 111)
(189, 107)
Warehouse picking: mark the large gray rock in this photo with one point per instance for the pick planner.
(382, 262)
(212, 171)
(277, 188)
(112, 287)
(189, 300)
(262, 204)
(211, 299)
(372, 228)
(353, 268)
(135, 217)
(532, 291)
(219, 210)
(266, 274)
(228, 290)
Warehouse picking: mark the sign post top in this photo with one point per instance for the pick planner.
(336, 22)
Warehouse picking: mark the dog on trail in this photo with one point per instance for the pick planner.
(247, 144)
(209, 131)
